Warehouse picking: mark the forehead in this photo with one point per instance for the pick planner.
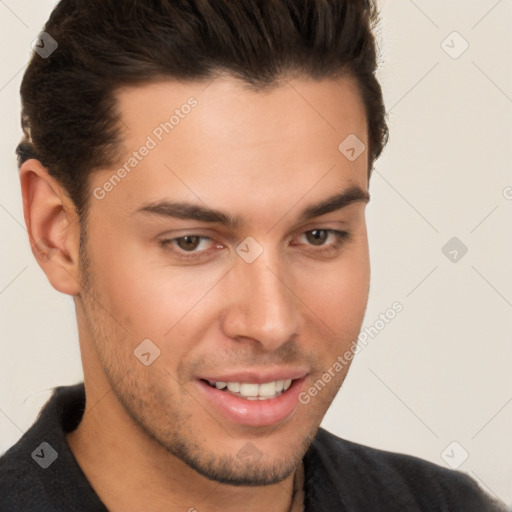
(203, 140)
(227, 106)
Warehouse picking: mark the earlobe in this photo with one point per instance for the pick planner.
(53, 226)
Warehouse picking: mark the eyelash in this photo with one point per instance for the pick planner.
(341, 238)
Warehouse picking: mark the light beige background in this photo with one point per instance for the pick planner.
(440, 371)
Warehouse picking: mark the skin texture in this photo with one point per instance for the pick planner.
(150, 438)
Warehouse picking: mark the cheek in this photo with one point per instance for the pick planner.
(149, 300)
(338, 294)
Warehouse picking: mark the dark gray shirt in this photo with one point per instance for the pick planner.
(40, 474)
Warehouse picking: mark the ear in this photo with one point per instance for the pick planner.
(53, 226)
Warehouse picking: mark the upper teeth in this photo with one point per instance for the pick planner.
(255, 391)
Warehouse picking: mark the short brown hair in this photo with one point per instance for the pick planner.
(69, 114)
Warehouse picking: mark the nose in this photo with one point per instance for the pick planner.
(261, 305)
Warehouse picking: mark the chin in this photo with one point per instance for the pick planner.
(248, 467)
(247, 472)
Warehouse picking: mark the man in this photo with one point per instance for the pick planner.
(195, 175)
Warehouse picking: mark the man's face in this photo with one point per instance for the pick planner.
(267, 289)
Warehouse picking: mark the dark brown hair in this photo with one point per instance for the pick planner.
(69, 112)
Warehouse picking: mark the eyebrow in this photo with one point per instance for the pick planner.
(188, 211)
(334, 203)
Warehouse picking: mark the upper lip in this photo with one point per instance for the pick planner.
(255, 376)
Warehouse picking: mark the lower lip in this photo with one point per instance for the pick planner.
(254, 413)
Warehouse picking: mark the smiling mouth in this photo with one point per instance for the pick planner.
(252, 391)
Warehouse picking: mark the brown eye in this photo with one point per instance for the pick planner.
(317, 236)
(188, 243)
(191, 248)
